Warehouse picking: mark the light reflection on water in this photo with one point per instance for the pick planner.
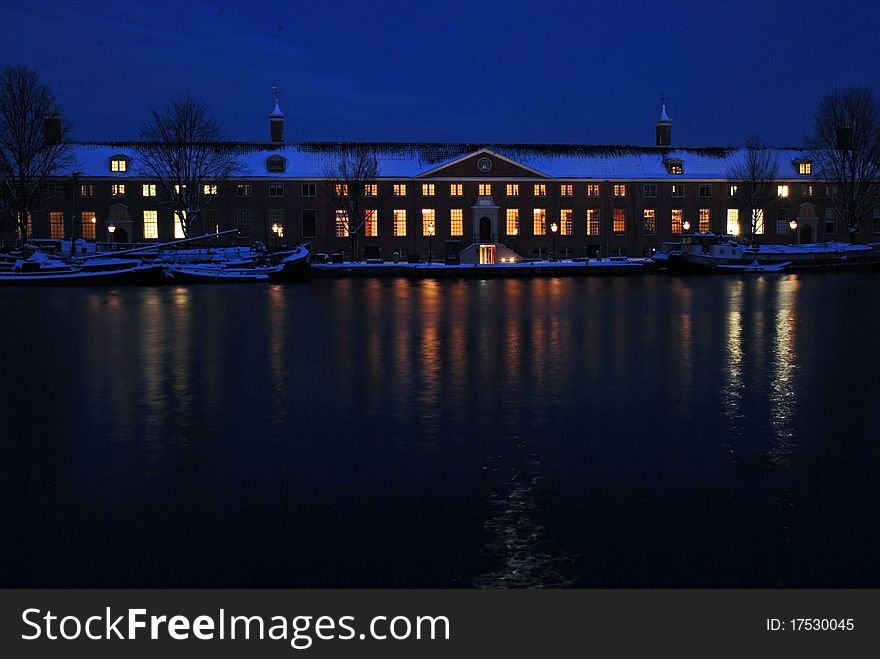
(506, 433)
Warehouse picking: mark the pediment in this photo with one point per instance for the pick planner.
(483, 164)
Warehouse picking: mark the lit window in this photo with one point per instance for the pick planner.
(805, 168)
(456, 189)
(307, 190)
(566, 190)
(732, 190)
(539, 222)
(806, 190)
(677, 216)
(675, 166)
(566, 223)
(705, 190)
(371, 190)
(429, 227)
(512, 228)
(371, 223)
(56, 224)
(540, 190)
(649, 190)
(619, 190)
(209, 189)
(87, 190)
(88, 220)
(341, 189)
(677, 190)
(276, 189)
(117, 190)
(243, 190)
(148, 190)
(619, 222)
(592, 189)
(513, 189)
(341, 224)
(782, 190)
(733, 221)
(758, 220)
(151, 225)
(485, 189)
(456, 222)
(427, 189)
(399, 189)
(705, 217)
(650, 221)
(399, 222)
(276, 222)
(118, 165)
(244, 220)
(592, 221)
(178, 228)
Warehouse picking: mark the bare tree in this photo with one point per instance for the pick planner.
(33, 143)
(845, 149)
(182, 148)
(755, 179)
(346, 185)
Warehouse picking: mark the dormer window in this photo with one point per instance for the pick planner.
(276, 164)
(804, 167)
(119, 163)
(674, 166)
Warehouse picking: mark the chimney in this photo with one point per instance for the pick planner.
(51, 129)
(664, 128)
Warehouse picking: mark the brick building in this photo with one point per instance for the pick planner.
(611, 200)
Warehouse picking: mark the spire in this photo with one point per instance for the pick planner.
(276, 120)
(663, 128)
(277, 111)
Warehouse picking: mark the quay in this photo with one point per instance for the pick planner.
(592, 267)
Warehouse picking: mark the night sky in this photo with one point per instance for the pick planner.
(502, 71)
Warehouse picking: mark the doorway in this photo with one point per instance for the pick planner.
(487, 254)
(486, 230)
(806, 234)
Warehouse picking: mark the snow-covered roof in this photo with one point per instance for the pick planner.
(406, 160)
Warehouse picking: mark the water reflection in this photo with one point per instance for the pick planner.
(733, 368)
(526, 557)
(783, 401)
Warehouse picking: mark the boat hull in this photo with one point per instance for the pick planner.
(138, 275)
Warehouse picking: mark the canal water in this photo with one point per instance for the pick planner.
(603, 432)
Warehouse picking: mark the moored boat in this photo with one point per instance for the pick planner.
(707, 252)
(135, 274)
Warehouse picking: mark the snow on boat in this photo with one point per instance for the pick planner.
(77, 275)
(214, 274)
(754, 266)
(707, 252)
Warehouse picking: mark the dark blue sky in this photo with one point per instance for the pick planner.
(452, 71)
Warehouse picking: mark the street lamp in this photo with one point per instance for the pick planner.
(686, 225)
(110, 229)
(793, 226)
(430, 243)
(553, 229)
(277, 230)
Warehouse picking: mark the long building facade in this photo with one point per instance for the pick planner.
(525, 201)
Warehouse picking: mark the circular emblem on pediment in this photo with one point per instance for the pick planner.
(484, 164)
